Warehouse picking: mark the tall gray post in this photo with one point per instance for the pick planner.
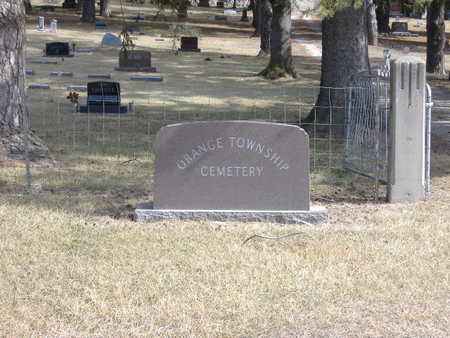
(407, 131)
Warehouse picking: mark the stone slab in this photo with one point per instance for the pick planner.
(147, 78)
(39, 86)
(145, 213)
(77, 88)
(137, 70)
(232, 165)
(44, 62)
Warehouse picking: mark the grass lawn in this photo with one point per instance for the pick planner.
(73, 263)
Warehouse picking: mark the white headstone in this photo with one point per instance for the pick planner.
(54, 26)
(41, 23)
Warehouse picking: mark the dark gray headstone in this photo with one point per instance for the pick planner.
(399, 27)
(135, 60)
(189, 44)
(232, 165)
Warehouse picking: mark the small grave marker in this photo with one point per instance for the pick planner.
(39, 86)
(189, 44)
(77, 88)
(222, 170)
(146, 78)
(29, 72)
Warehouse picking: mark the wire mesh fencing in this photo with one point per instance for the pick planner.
(101, 151)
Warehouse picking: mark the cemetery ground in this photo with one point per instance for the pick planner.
(73, 263)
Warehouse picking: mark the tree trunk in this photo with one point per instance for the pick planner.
(344, 53)
(372, 32)
(383, 12)
(88, 13)
(28, 7)
(257, 17)
(182, 10)
(281, 63)
(436, 39)
(105, 8)
(266, 27)
(14, 118)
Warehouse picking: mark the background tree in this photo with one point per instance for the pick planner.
(28, 7)
(281, 63)
(383, 12)
(14, 117)
(105, 8)
(266, 27)
(436, 38)
(344, 53)
(372, 29)
(88, 11)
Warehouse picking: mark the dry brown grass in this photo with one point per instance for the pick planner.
(72, 264)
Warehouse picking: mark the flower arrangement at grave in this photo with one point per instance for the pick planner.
(127, 40)
(74, 97)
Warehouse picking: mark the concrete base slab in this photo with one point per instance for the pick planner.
(198, 50)
(138, 70)
(145, 212)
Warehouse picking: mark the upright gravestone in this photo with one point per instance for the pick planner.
(41, 24)
(69, 4)
(135, 61)
(399, 27)
(103, 97)
(408, 167)
(222, 170)
(58, 49)
(189, 44)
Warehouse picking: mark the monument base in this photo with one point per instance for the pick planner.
(137, 69)
(194, 50)
(145, 212)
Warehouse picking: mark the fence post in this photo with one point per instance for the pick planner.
(406, 162)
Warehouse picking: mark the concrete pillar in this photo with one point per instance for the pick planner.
(407, 131)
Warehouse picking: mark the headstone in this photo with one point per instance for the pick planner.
(226, 168)
(189, 44)
(103, 97)
(41, 23)
(220, 4)
(135, 61)
(58, 49)
(69, 4)
(54, 26)
(29, 72)
(399, 27)
(203, 3)
(110, 39)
